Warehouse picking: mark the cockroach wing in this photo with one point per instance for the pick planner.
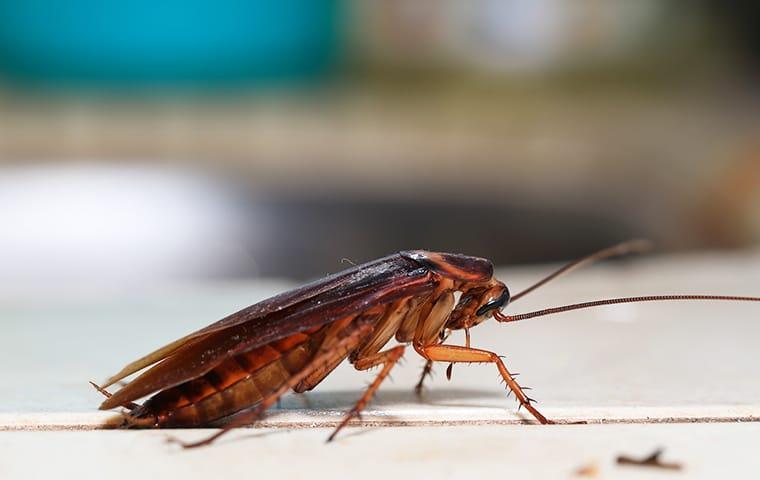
(316, 304)
(355, 276)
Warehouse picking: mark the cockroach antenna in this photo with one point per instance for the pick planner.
(626, 248)
(614, 301)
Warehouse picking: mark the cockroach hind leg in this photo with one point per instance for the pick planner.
(172, 440)
(344, 345)
(387, 359)
(351, 414)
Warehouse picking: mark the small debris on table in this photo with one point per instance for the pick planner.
(590, 470)
(652, 460)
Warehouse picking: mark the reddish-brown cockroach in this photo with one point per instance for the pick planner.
(292, 341)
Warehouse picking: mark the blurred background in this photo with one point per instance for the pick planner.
(149, 141)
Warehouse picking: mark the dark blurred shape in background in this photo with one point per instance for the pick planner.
(192, 139)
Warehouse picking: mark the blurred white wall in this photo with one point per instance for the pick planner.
(91, 225)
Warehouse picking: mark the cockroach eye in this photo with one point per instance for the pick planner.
(494, 304)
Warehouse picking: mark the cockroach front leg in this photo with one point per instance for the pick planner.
(456, 354)
(387, 359)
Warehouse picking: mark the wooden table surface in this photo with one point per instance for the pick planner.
(679, 375)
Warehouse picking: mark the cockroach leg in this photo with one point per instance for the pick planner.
(450, 368)
(427, 370)
(387, 359)
(352, 338)
(456, 354)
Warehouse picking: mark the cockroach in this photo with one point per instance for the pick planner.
(245, 362)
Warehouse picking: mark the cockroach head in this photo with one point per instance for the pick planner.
(478, 304)
(497, 298)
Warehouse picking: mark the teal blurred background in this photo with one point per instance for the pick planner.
(153, 141)
(171, 43)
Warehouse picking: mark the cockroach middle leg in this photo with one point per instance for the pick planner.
(450, 368)
(456, 354)
(387, 359)
(427, 370)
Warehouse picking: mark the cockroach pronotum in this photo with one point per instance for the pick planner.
(245, 362)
